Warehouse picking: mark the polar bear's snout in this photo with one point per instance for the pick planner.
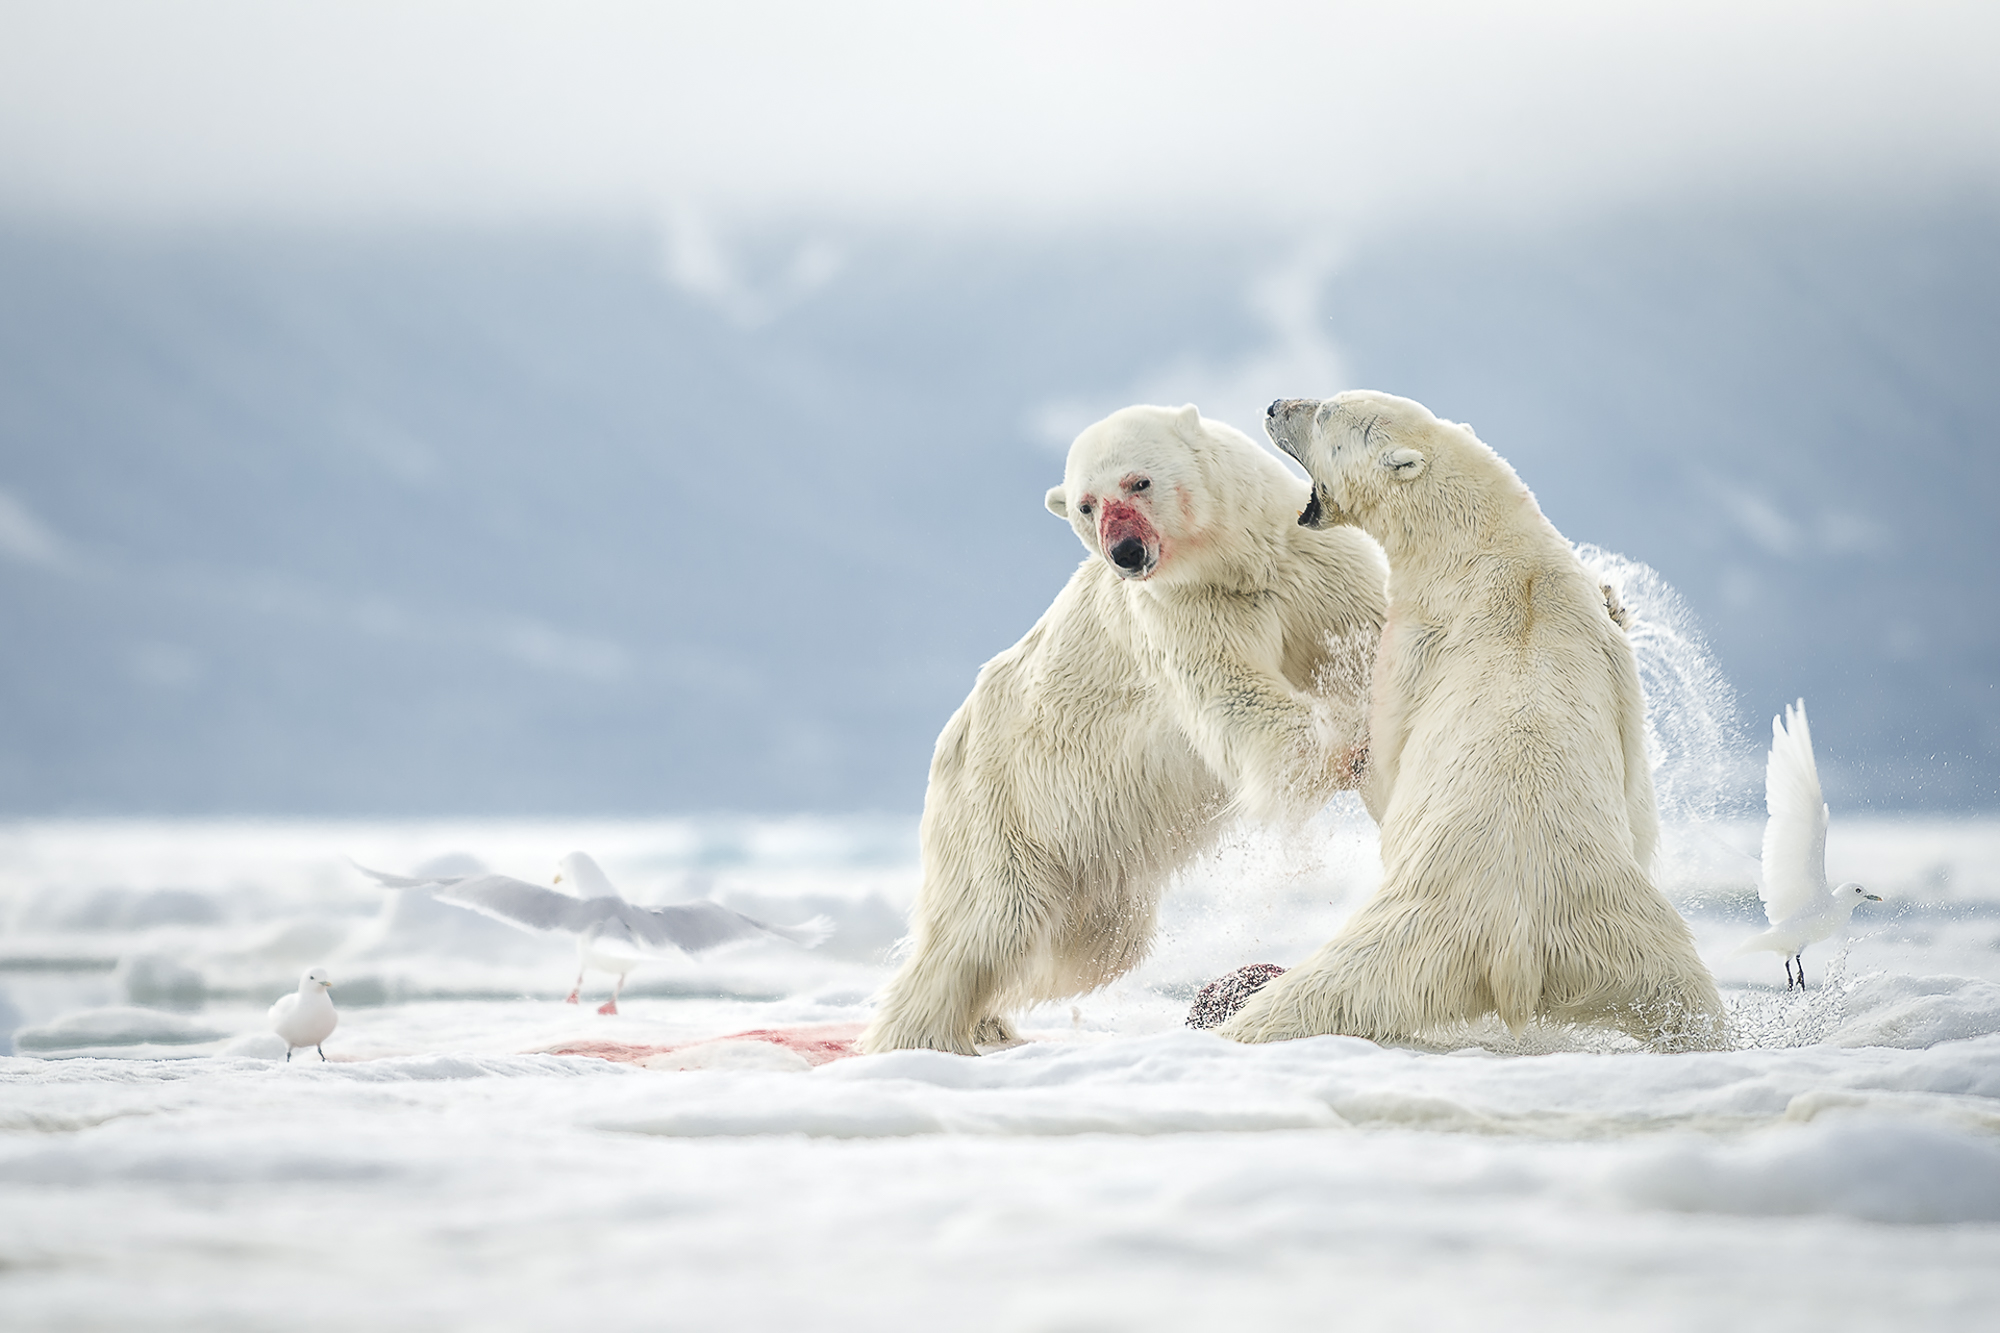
(1288, 422)
(1128, 540)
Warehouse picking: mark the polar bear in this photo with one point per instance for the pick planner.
(1208, 658)
(1507, 762)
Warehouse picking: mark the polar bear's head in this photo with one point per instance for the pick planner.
(1144, 484)
(1369, 454)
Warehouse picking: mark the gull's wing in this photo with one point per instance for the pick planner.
(404, 881)
(689, 927)
(528, 906)
(694, 927)
(1795, 835)
(504, 898)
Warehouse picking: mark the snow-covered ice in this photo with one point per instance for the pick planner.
(160, 1168)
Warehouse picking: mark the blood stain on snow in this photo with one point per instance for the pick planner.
(819, 1043)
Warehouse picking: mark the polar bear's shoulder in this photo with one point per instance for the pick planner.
(1336, 561)
(1084, 636)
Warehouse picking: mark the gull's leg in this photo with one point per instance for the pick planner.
(1800, 959)
(577, 989)
(610, 1006)
(1789, 983)
(288, 1055)
(322, 1051)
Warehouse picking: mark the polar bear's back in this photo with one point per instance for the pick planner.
(1521, 698)
(1523, 813)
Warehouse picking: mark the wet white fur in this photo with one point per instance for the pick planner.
(1116, 740)
(1507, 769)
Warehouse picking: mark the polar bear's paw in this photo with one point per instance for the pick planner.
(886, 1034)
(994, 1031)
(1615, 607)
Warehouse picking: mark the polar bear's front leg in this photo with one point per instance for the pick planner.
(939, 1001)
(1281, 753)
(972, 950)
(1282, 757)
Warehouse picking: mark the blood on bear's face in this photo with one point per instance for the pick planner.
(1126, 533)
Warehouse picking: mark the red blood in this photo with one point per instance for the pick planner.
(819, 1043)
(1119, 521)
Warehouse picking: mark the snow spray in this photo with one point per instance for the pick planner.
(1694, 737)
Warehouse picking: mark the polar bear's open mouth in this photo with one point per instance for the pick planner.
(1313, 515)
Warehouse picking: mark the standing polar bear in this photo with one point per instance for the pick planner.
(1507, 764)
(1208, 657)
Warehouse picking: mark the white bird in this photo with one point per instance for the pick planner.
(306, 1017)
(612, 935)
(1800, 907)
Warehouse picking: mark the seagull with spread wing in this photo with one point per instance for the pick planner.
(612, 935)
(1801, 909)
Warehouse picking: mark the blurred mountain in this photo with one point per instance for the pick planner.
(1786, 414)
(626, 523)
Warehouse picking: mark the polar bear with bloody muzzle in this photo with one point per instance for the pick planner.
(1208, 660)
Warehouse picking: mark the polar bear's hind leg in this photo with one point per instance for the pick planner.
(1382, 978)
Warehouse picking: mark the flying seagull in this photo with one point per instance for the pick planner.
(611, 935)
(1801, 909)
(306, 1017)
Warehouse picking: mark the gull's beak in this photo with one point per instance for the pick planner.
(1873, 897)
(557, 880)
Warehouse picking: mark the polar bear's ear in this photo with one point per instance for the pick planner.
(1057, 501)
(1404, 464)
(1189, 420)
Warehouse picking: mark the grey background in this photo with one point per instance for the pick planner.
(502, 519)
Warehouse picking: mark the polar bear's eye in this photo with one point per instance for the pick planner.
(1141, 484)
(1083, 509)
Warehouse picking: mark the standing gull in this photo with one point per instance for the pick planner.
(1801, 909)
(306, 1017)
(612, 935)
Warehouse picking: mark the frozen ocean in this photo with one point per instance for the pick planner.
(475, 1153)
(440, 437)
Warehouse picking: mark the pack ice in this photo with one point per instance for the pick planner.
(160, 1167)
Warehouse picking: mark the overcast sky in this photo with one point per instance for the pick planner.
(1039, 113)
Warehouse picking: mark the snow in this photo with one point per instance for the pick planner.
(159, 1168)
